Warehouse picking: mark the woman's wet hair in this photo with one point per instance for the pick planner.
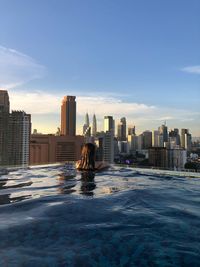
(88, 157)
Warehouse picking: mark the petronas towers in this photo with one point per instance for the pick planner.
(87, 128)
(94, 125)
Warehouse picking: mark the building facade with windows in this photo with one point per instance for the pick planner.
(68, 116)
(45, 149)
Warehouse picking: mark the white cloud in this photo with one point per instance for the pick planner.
(192, 69)
(40, 102)
(37, 102)
(110, 106)
(45, 110)
(42, 105)
(17, 68)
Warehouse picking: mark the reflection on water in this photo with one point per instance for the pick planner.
(3, 182)
(87, 183)
(67, 182)
(8, 198)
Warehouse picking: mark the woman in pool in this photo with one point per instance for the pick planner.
(87, 161)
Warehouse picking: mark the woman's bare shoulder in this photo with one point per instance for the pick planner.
(78, 164)
(100, 165)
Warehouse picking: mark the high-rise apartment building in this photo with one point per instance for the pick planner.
(147, 139)
(163, 157)
(174, 136)
(123, 147)
(121, 130)
(186, 139)
(140, 141)
(132, 143)
(108, 147)
(109, 124)
(131, 130)
(15, 129)
(176, 158)
(4, 101)
(4, 119)
(132, 140)
(105, 146)
(158, 157)
(109, 130)
(19, 138)
(68, 116)
(163, 131)
(155, 138)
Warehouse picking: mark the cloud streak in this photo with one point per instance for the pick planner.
(17, 68)
(192, 69)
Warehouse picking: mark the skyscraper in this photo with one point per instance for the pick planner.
(19, 138)
(15, 129)
(87, 129)
(105, 146)
(109, 129)
(131, 130)
(109, 124)
(132, 143)
(121, 130)
(174, 136)
(94, 126)
(108, 149)
(147, 139)
(68, 116)
(4, 101)
(163, 131)
(4, 118)
(155, 139)
(87, 121)
(186, 139)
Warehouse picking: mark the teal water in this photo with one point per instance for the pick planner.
(55, 216)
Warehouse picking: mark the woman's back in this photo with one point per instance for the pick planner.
(87, 161)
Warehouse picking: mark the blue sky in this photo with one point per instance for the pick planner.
(138, 59)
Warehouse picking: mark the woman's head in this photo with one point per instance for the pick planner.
(88, 157)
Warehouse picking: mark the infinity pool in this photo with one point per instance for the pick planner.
(55, 216)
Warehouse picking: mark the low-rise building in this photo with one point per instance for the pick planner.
(163, 157)
(158, 157)
(46, 148)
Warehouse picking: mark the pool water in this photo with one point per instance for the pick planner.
(55, 216)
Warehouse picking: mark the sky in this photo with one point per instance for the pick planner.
(137, 59)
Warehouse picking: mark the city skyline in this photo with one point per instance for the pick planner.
(99, 122)
(19, 147)
(138, 60)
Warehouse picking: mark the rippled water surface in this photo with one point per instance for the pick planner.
(55, 216)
